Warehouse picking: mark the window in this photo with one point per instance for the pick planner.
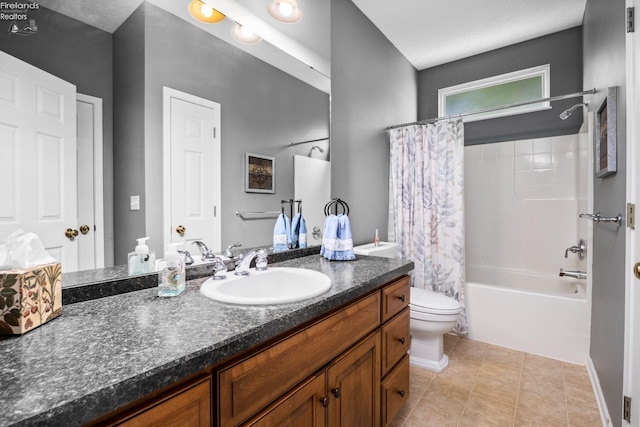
(511, 88)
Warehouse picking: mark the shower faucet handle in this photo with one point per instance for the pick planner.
(579, 249)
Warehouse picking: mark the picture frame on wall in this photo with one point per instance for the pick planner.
(260, 173)
(605, 135)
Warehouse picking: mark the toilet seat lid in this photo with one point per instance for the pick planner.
(433, 302)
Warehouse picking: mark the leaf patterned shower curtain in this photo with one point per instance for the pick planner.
(426, 209)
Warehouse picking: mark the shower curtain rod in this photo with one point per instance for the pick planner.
(306, 142)
(487, 110)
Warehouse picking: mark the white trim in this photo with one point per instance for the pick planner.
(98, 176)
(167, 94)
(543, 70)
(597, 390)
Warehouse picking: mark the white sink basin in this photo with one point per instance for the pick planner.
(276, 285)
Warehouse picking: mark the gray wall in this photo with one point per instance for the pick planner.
(81, 55)
(604, 65)
(263, 111)
(562, 50)
(372, 86)
(128, 149)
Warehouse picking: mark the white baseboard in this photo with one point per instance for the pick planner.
(597, 390)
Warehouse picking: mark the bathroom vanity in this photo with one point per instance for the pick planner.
(135, 359)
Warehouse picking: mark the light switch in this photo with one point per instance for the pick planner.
(135, 203)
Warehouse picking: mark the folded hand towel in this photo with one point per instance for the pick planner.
(337, 243)
(282, 233)
(302, 233)
(295, 230)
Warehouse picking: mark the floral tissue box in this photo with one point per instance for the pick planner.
(29, 297)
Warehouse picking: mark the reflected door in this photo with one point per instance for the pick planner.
(312, 185)
(194, 180)
(38, 157)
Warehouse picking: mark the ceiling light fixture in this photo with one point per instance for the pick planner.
(285, 10)
(244, 35)
(204, 13)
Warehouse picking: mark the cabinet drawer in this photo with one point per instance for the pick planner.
(251, 384)
(395, 340)
(395, 297)
(395, 391)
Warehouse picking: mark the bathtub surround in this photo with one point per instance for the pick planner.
(426, 209)
(523, 199)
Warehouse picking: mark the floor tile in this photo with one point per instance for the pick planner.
(488, 385)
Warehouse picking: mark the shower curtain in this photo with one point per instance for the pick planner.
(426, 209)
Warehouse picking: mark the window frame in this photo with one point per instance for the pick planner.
(543, 71)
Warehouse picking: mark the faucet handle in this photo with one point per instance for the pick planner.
(261, 260)
(219, 269)
(228, 253)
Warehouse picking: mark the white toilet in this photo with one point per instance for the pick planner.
(432, 315)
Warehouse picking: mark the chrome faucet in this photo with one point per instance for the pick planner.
(575, 274)
(188, 260)
(228, 252)
(244, 261)
(207, 254)
(579, 249)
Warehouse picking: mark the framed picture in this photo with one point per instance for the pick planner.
(260, 173)
(605, 135)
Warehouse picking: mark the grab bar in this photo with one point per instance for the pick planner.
(596, 217)
(257, 215)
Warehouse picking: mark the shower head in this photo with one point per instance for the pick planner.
(569, 111)
(317, 147)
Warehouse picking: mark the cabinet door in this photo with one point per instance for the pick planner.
(304, 407)
(186, 407)
(354, 385)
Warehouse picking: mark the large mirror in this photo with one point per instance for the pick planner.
(121, 56)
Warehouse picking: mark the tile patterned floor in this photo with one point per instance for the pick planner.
(487, 385)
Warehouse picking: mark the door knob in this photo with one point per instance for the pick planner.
(84, 228)
(70, 233)
(636, 270)
(336, 392)
(180, 230)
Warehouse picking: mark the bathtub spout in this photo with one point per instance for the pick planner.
(574, 274)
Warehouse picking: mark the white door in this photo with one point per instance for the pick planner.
(38, 157)
(632, 297)
(312, 185)
(90, 194)
(192, 180)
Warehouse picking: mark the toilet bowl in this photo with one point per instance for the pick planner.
(431, 316)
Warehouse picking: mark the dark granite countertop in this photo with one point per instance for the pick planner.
(104, 353)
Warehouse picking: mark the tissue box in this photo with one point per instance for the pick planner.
(29, 297)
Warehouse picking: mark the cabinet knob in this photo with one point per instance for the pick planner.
(402, 298)
(401, 340)
(401, 393)
(336, 392)
(324, 401)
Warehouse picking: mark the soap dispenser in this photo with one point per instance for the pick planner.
(141, 260)
(172, 276)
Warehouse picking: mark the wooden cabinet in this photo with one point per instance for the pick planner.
(353, 383)
(187, 406)
(395, 340)
(252, 383)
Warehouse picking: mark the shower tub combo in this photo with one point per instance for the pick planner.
(544, 315)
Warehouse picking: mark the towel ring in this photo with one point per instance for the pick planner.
(335, 203)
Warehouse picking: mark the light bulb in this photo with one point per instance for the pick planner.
(246, 32)
(206, 10)
(286, 8)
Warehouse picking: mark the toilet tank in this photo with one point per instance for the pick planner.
(384, 249)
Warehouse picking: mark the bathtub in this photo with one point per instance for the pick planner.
(544, 315)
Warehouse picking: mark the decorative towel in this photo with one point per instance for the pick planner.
(295, 230)
(337, 243)
(282, 233)
(302, 233)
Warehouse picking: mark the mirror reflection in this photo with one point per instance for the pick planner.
(142, 95)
